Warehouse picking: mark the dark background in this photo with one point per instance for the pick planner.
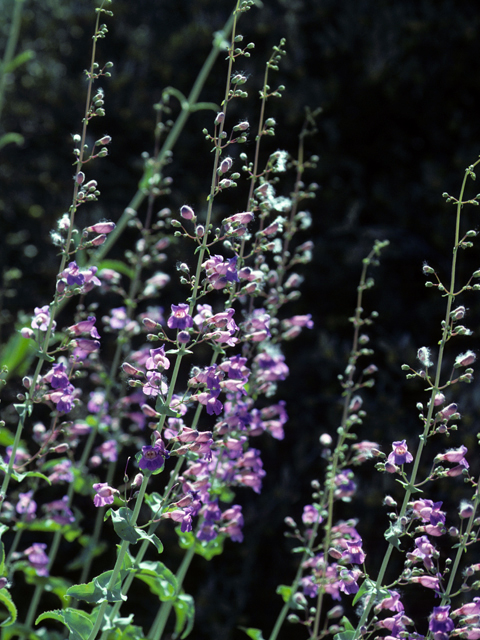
(398, 85)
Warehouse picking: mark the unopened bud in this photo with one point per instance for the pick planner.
(130, 370)
(99, 240)
(187, 212)
(102, 141)
(61, 448)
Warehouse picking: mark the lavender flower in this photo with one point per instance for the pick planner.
(153, 457)
(38, 558)
(400, 454)
(105, 494)
(180, 318)
(440, 624)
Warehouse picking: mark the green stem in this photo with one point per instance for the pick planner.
(10, 48)
(161, 618)
(120, 558)
(431, 406)
(187, 108)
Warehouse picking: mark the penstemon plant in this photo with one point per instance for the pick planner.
(146, 416)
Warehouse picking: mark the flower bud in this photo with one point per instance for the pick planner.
(104, 140)
(101, 227)
(325, 439)
(130, 370)
(187, 212)
(80, 177)
(98, 240)
(220, 118)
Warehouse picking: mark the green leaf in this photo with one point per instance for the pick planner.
(348, 626)
(19, 59)
(155, 501)
(117, 265)
(151, 538)
(98, 591)
(253, 633)
(345, 635)
(160, 580)
(121, 524)
(79, 623)
(284, 591)
(18, 352)
(164, 410)
(210, 106)
(24, 410)
(6, 600)
(185, 615)
(392, 535)
(409, 487)
(367, 586)
(11, 138)
(203, 548)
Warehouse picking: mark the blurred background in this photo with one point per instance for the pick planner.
(398, 85)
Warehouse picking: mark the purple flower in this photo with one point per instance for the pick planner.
(119, 318)
(84, 347)
(26, 505)
(348, 581)
(85, 326)
(157, 359)
(57, 377)
(310, 514)
(424, 551)
(345, 486)
(72, 274)
(454, 455)
(220, 273)
(153, 458)
(59, 511)
(38, 558)
(104, 494)
(392, 603)
(42, 318)
(61, 472)
(108, 450)
(400, 454)
(354, 554)
(180, 318)
(97, 402)
(440, 623)
(155, 384)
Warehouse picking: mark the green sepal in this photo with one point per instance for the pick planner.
(160, 580)
(97, 591)
(184, 606)
(79, 623)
